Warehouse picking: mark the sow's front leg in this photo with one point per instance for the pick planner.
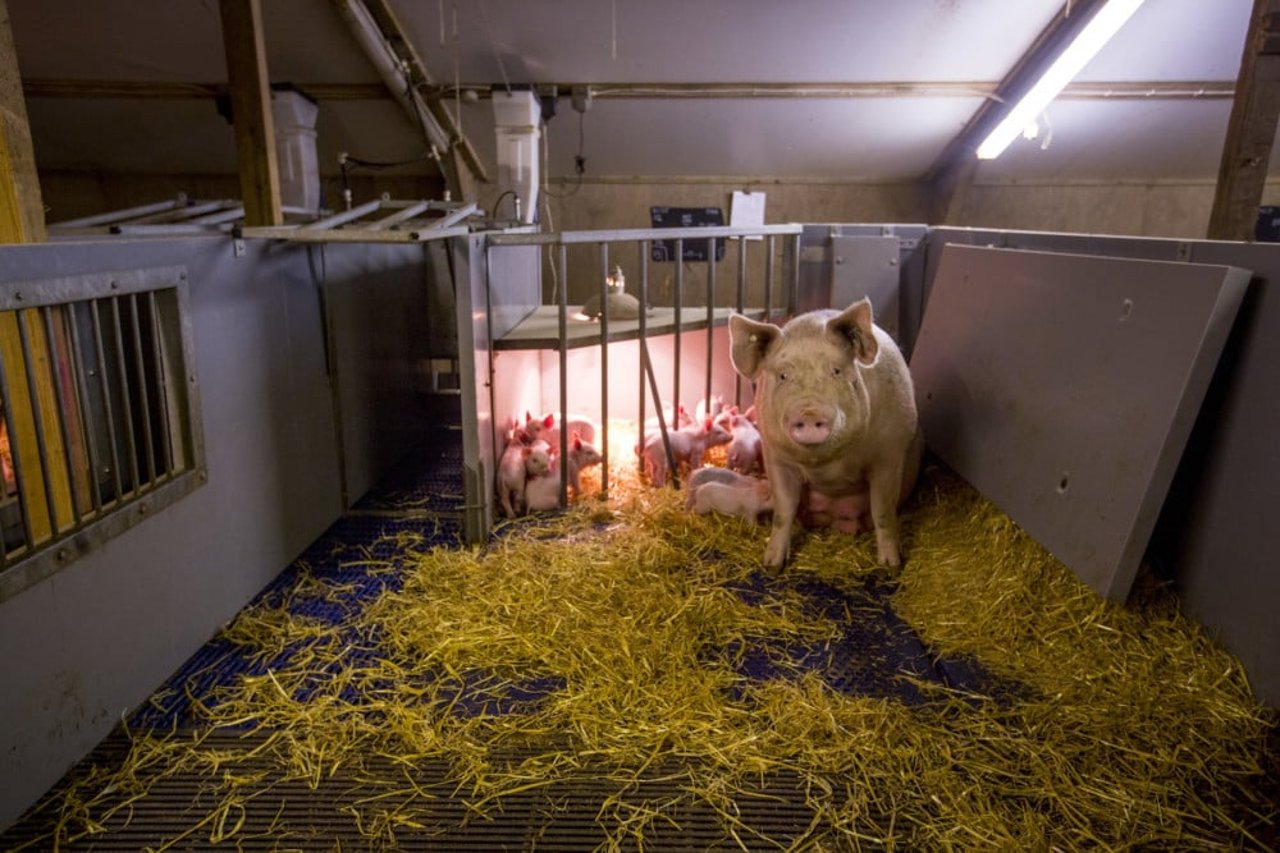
(885, 480)
(785, 482)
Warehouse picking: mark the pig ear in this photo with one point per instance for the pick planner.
(706, 425)
(749, 341)
(577, 441)
(853, 326)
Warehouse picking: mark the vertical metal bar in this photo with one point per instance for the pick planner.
(711, 314)
(643, 347)
(41, 444)
(162, 388)
(122, 369)
(741, 303)
(59, 388)
(91, 441)
(662, 420)
(679, 297)
(18, 474)
(795, 276)
(106, 398)
(143, 389)
(604, 373)
(564, 374)
(768, 278)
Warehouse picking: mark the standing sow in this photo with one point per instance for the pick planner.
(836, 411)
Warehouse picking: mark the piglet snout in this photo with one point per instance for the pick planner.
(810, 425)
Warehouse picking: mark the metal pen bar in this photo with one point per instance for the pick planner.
(768, 280)
(162, 388)
(106, 399)
(41, 445)
(662, 419)
(740, 306)
(55, 367)
(453, 218)
(143, 390)
(399, 216)
(19, 475)
(630, 235)
(644, 305)
(82, 387)
(231, 214)
(122, 369)
(675, 368)
(100, 219)
(342, 218)
(711, 316)
(180, 215)
(795, 276)
(604, 372)
(564, 375)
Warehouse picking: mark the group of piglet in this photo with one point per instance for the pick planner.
(732, 490)
(529, 470)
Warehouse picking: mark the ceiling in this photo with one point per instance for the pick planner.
(861, 90)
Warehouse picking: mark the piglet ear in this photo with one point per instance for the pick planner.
(577, 441)
(527, 417)
(853, 327)
(548, 421)
(749, 343)
(706, 425)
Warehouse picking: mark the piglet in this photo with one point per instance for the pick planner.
(543, 492)
(745, 500)
(688, 445)
(519, 462)
(746, 448)
(712, 474)
(545, 429)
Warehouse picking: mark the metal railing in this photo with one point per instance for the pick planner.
(99, 410)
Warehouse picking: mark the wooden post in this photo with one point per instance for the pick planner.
(251, 111)
(21, 208)
(1251, 130)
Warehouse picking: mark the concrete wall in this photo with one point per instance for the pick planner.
(88, 644)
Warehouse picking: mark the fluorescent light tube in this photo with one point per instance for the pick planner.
(1088, 42)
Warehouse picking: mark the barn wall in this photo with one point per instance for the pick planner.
(91, 642)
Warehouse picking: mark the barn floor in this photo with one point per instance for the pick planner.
(871, 715)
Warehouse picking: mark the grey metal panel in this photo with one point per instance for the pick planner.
(378, 309)
(96, 638)
(1064, 387)
(515, 285)
(867, 266)
(475, 372)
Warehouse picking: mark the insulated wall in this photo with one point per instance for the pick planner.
(89, 643)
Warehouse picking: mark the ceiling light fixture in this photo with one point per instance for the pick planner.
(1109, 19)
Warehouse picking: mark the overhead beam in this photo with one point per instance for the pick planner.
(1251, 130)
(1154, 90)
(21, 206)
(951, 174)
(245, 47)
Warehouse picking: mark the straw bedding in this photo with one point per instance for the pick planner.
(615, 645)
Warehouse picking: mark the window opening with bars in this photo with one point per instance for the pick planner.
(99, 418)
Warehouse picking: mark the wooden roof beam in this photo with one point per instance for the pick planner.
(21, 206)
(1251, 130)
(243, 41)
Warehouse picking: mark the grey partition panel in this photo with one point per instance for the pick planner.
(92, 641)
(475, 377)
(1065, 386)
(378, 317)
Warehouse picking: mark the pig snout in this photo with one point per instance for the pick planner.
(810, 424)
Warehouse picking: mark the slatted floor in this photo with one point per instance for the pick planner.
(421, 502)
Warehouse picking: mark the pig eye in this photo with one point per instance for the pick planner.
(835, 371)
(782, 377)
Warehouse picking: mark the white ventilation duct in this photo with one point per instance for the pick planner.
(517, 119)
